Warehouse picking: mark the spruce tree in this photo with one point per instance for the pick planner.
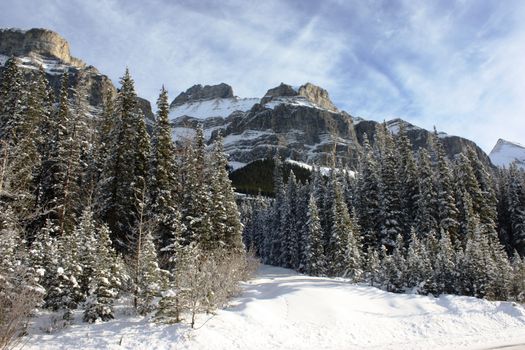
(426, 206)
(447, 213)
(315, 259)
(163, 184)
(104, 283)
(125, 173)
(224, 213)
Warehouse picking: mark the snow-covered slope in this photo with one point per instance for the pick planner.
(217, 107)
(505, 152)
(281, 309)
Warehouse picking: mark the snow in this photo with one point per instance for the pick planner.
(244, 136)
(51, 66)
(281, 309)
(291, 100)
(324, 170)
(218, 107)
(237, 165)
(3, 59)
(505, 152)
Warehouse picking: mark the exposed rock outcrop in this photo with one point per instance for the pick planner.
(42, 47)
(37, 41)
(207, 92)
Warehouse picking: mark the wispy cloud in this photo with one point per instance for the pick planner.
(453, 64)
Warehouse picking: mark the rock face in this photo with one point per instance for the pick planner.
(297, 123)
(317, 95)
(310, 92)
(505, 153)
(207, 92)
(36, 41)
(42, 47)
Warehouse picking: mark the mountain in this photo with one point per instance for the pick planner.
(42, 47)
(506, 152)
(300, 123)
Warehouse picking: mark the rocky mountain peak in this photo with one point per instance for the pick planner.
(207, 92)
(317, 95)
(36, 42)
(309, 91)
(505, 152)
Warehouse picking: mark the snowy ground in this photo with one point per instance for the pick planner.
(280, 309)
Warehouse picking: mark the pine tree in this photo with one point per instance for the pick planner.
(126, 167)
(368, 197)
(290, 238)
(393, 267)
(197, 201)
(408, 178)
(11, 102)
(517, 288)
(516, 209)
(487, 204)
(104, 284)
(426, 206)
(315, 259)
(446, 203)
(61, 169)
(418, 266)
(163, 184)
(224, 214)
(444, 266)
(147, 275)
(389, 187)
(275, 234)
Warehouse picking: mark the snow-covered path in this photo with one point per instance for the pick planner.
(283, 310)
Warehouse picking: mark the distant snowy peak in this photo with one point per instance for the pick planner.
(216, 107)
(506, 152)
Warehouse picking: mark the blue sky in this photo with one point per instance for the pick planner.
(458, 65)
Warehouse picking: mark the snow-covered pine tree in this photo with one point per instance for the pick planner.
(444, 272)
(104, 283)
(447, 213)
(58, 188)
(301, 219)
(146, 273)
(408, 177)
(173, 299)
(20, 293)
(224, 213)
(418, 266)
(486, 206)
(426, 206)
(275, 236)
(517, 288)
(196, 196)
(12, 96)
(393, 267)
(372, 268)
(164, 209)
(516, 209)
(344, 252)
(290, 238)
(389, 187)
(367, 194)
(126, 167)
(314, 251)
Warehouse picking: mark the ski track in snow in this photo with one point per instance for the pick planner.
(281, 309)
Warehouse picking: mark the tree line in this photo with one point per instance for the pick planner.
(404, 221)
(93, 207)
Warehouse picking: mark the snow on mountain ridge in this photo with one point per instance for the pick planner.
(217, 107)
(505, 152)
